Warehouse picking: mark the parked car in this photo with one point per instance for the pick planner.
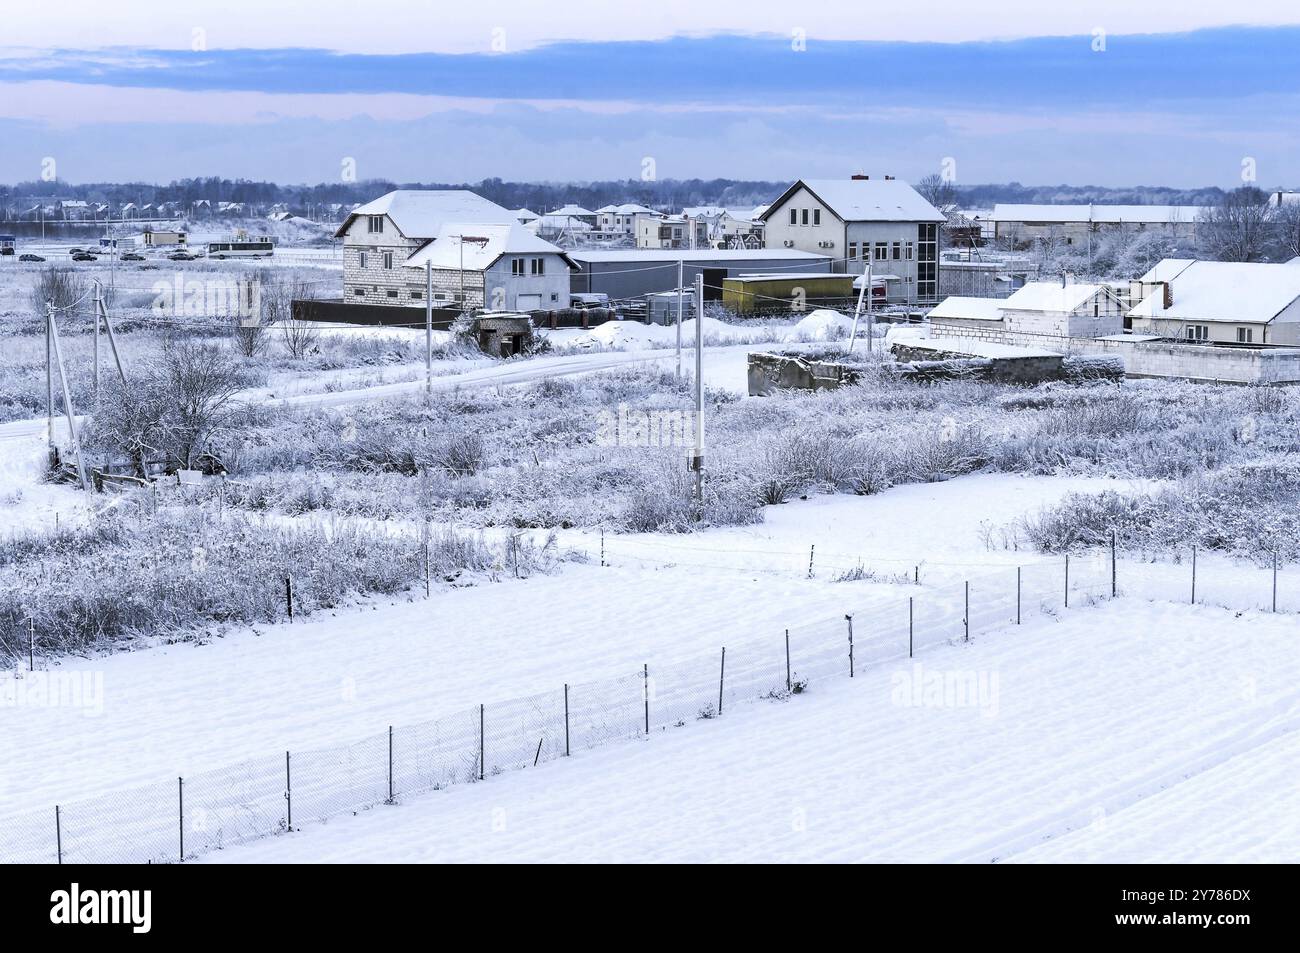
(181, 256)
(84, 257)
(76, 251)
(132, 256)
(30, 258)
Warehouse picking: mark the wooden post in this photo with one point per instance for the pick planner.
(426, 569)
(645, 692)
(787, 660)
(31, 644)
(916, 577)
(566, 719)
(1067, 580)
(288, 595)
(1275, 580)
(849, 619)
(722, 672)
(812, 551)
(602, 546)
(537, 757)
(1193, 575)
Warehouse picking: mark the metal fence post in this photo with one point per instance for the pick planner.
(1067, 580)
(965, 621)
(1113, 589)
(1193, 575)
(787, 660)
(1274, 580)
(849, 619)
(288, 595)
(390, 764)
(58, 833)
(566, 719)
(1017, 595)
(909, 626)
(288, 795)
(645, 692)
(180, 814)
(482, 767)
(722, 674)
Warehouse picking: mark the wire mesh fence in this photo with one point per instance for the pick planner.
(172, 820)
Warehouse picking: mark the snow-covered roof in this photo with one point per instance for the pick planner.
(866, 200)
(421, 213)
(1242, 292)
(628, 208)
(970, 347)
(559, 223)
(446, 250)
(526, 214)
(572, 210)
(1096, 214)
(1167, 269)
(968, 308)
(1051, 296)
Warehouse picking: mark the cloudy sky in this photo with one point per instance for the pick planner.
(442, 91)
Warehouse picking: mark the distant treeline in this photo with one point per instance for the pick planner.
(668, 194)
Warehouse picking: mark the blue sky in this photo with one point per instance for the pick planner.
(1183, 106)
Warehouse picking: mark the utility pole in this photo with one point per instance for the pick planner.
(681, 294)
(428, 326)
(49, 374)
(871, 324)
(866, 280)
(697, 457)
(101, 314)
(67, 396)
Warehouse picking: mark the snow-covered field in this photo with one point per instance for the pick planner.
(1127, 732)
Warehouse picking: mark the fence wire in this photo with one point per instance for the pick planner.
(173, 820)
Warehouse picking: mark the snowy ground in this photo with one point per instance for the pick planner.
(1126, 732)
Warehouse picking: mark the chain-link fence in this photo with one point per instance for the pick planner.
(180, 818)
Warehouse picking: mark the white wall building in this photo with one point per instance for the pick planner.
(504, 267)
(1219, 302)
(859, 221)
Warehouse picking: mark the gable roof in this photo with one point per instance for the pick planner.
(572, 210)
(1234, 291)
(513, 239)
(865, 200)
(968, 308)
(1051, 296)
(420, 213)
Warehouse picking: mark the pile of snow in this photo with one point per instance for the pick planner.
(823, 324)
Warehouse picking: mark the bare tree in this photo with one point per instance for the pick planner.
(299, 336)
(938, 191)
(62, 286)
(1286, 225)
(1237, 229)
(181, 410)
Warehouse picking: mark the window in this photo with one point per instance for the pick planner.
(805, 216)
(908, 251)
(1245, 335)
(898, 251)
(538, 266)
(853, 250)
(359, 291)
(1198, 332)
(392, 293)
(516, 266)
(363, 259)
(794, 216)
(817, 216)
(417, 296)
(882, 251)
(375, 224)
(388, 259)
(440, 296)
(555, 296)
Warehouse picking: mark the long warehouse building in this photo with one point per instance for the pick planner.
(624, 274)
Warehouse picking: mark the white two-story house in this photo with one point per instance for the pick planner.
(494, 267)
(859, 221)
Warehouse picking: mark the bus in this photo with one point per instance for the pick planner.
(242, 248)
